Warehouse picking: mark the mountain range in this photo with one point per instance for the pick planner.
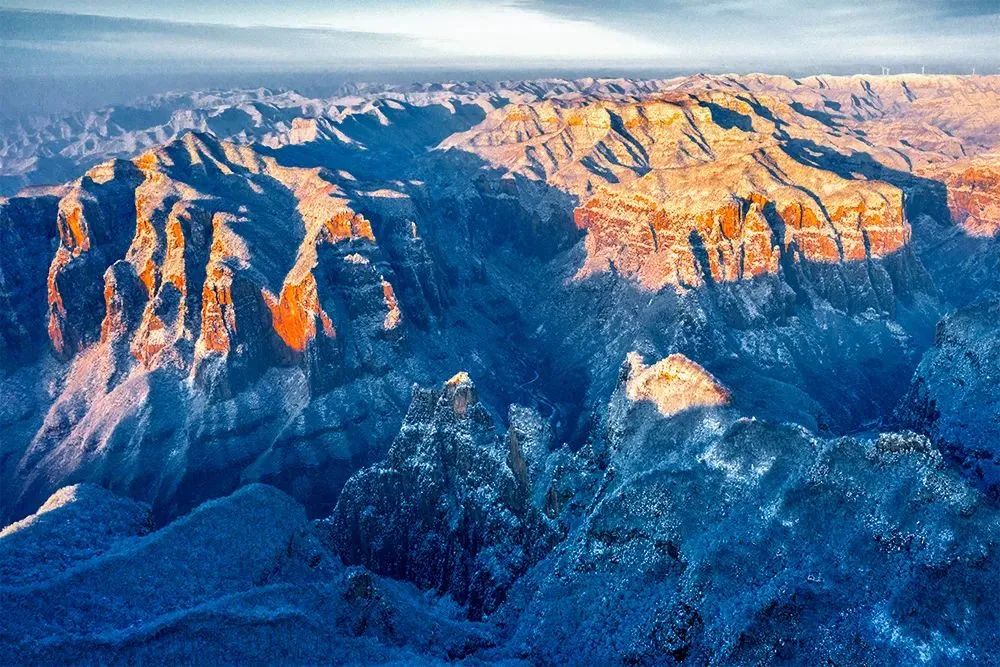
(590, 371)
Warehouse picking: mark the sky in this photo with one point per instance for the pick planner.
(123, 45)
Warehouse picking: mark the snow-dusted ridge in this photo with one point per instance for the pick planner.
(722, 373)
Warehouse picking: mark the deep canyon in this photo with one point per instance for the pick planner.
(596, 371)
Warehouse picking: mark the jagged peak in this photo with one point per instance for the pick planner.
(460, 391)
(459, 378)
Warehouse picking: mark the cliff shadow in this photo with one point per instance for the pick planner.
(962, 266)
(921, 196)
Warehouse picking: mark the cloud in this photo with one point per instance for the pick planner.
(467, 30)
(54, 43)
(501, 30)
(788, 35)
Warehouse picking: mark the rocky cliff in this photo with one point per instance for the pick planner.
(713, 303)
(309, 269)
(454, 507)
(183, 278)
(953, 393)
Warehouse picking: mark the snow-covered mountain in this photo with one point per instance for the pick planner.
(720, 355)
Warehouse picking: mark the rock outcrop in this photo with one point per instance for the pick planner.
(673, 384)
(229, 270)
(745, 543)
(696, 188)
(973, 187)
(455, 507)
(953, 396)
(239, 579)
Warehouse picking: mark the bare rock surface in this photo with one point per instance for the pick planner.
(454, 506)
(673, 385)
(745, 325)
(953, 395)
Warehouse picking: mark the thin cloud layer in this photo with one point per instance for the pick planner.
(317, 34)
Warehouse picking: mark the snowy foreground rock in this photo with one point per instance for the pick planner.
(454, 507)
(954, 393)
(704, 538)
(240, 580)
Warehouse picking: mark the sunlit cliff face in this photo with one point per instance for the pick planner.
(673, 384)
(694, 188)
(209, 250)
(348, 246)
(710, 182)
(973, 194)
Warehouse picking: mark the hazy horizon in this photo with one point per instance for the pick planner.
(29, 96)
(57, 56)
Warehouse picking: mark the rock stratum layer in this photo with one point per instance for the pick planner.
(725, 390)
(684, 190)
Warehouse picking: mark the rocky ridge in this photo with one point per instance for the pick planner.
(454, 507)
(236, 579)
(210, 272)
(212, 313)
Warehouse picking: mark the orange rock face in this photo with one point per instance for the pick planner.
(218, 314)
(72, 231)
(694, 188)
(347, 225)
(75, 244)
(637, 238)
(57, 310)
(659, 242)
(974, 194)
(151, 340)
(393, 315)
(295, 313)
(216, 270)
